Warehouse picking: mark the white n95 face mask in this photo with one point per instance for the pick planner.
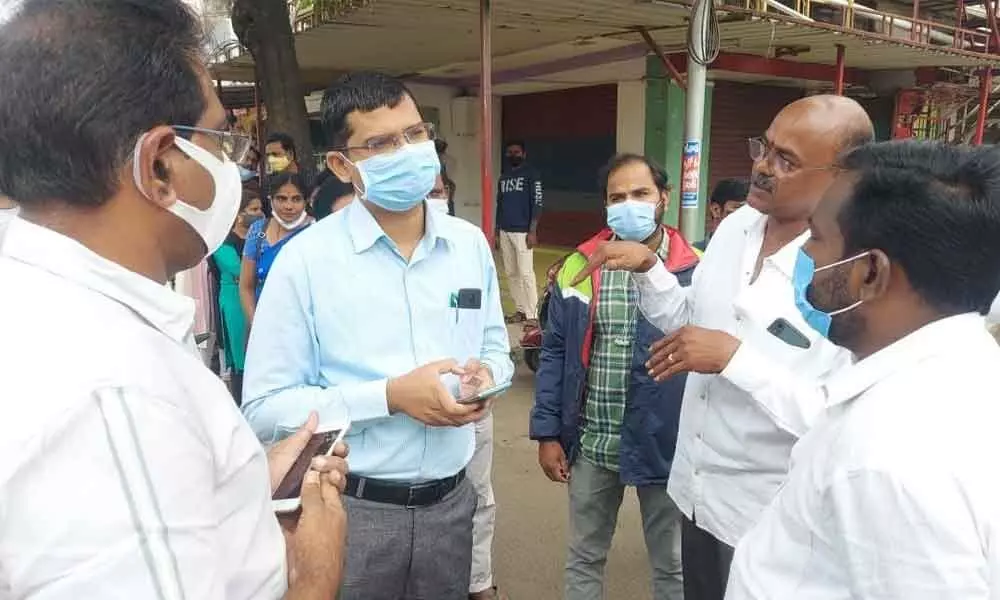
(214, 223)
(438, 204)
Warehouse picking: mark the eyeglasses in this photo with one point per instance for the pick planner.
(384, 144)
(760, 150)
(233, 146)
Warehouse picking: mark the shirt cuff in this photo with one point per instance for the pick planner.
(747, 369)
(364, 401)
(497, 372)
(656, 280)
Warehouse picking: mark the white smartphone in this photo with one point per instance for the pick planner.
(285, 498)
(485, 394)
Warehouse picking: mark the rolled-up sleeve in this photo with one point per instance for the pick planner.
(282, 381)
(496, 342)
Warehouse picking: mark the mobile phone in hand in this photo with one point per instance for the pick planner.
(485, 395)
(286, 498)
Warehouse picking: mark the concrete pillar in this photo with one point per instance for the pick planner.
(631, 132)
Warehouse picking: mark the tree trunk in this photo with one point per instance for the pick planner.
(263, 27)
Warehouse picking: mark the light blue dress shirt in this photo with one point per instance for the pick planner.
(342, 312)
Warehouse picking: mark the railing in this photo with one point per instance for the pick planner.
(879, 24)
(323, 13)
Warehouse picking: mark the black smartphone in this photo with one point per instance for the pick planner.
(788, 333)
(286, 497)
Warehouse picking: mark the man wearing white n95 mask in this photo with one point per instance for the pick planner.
(126, 471)
(755, 365)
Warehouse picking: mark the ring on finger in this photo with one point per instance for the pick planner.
(670, 357)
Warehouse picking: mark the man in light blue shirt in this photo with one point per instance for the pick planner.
(386, 311)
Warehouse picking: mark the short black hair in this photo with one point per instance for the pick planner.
(277, 180)
(327, 193)
(729, 190)
(286, 141)
(82, 80)
(660, 177)
(519, 143)
(934, 209)
(362, 91)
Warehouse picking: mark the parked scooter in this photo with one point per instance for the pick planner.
(531, 338)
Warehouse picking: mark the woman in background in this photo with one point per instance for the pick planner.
(226, 265)
(266, 238)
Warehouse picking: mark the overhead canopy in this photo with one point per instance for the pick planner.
(558, 43)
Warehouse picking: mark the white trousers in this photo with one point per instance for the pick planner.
(480, 472)
(519, 263)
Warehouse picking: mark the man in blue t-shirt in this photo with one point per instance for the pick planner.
(519, 205)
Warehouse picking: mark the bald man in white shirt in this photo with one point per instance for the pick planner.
(893, 494)
(755, 365)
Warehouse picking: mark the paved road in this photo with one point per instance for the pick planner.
(530, 546)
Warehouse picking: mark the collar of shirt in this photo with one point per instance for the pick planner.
(169, 312)
(924, 343)
(365, 231)
(784, 259)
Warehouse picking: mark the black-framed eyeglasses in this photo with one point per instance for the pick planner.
(760, 150)
(233, 146)
(384, 144)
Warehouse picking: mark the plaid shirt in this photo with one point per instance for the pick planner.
(610, 365)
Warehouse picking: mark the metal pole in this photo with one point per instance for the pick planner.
(985, 85)
(258, 125)
(486, 110)
(694, 119)
(838, 85)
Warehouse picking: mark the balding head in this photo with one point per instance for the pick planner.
(800, 147)
(848, 118)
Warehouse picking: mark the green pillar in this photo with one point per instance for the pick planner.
(665, 135)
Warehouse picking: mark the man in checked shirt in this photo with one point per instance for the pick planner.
(595, 345)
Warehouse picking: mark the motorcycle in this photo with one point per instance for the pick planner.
(531, 337)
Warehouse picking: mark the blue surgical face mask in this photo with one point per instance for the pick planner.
(400, 180)
(632, 220)
(246, 174)
(802, 276)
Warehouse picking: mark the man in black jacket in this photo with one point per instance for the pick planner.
(519, 205)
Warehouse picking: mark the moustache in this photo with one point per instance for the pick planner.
(762, 182)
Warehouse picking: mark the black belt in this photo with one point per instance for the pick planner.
(403, 494)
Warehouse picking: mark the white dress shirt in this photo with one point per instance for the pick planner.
(894, 492)
(126, 470)
(737, 428)
(6, 216)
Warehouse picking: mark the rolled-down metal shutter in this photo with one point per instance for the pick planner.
(741, 111)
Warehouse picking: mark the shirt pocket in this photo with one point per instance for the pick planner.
(467, 332)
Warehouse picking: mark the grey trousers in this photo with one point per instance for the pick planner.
(595, 495)
(480, 472)
(706, 563)
(399, 553)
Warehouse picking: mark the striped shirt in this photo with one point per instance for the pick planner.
(126, 470)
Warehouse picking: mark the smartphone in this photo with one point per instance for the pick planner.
(285, 498)
(485, 394)
(786, 332)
